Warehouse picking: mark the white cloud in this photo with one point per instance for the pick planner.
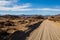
(16, 8)
(8, 2)
(48, 9)
(3, 3)
(24, 7)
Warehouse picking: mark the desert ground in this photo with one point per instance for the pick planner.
(48, 30)
(29, 27)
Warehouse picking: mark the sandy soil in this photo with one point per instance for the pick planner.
(48, 30)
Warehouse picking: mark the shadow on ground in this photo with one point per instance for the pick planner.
(21, 35)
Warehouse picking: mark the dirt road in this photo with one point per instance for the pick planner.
(48, 30)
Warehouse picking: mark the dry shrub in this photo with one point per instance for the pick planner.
(54, 18)
(22, 22)
(18, 35)
(9, 23)
(38, 17)
(1, 24)
(4, 35)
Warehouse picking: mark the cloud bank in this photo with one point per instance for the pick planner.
(11, 5)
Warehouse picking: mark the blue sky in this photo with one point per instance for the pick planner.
(30, 7)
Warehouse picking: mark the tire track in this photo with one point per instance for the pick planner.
(48, 30)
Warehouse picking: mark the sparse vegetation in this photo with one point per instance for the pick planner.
(9, 25)
(54, 18)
